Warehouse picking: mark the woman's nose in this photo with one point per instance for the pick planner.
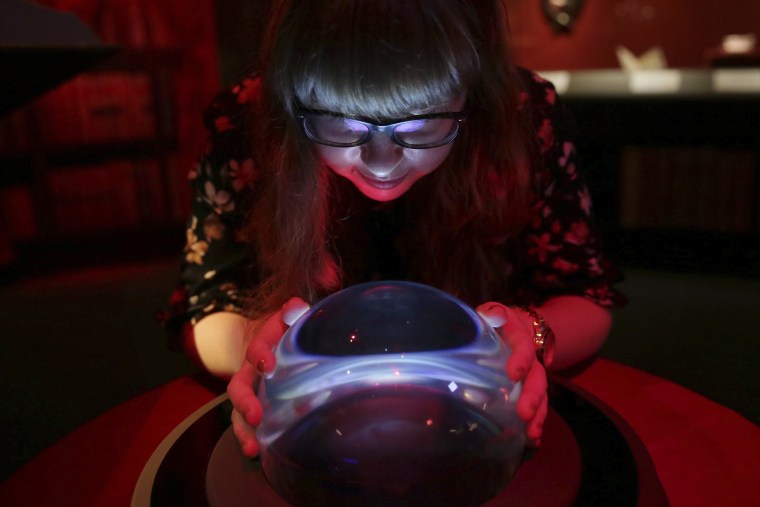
(381, 155)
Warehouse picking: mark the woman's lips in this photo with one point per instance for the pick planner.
(382, 184)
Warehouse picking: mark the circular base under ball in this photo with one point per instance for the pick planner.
(547, 478)
(588, 456)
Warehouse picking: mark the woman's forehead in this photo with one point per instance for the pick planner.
(451, 104)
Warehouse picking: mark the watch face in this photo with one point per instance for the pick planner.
(547, 347)
(543, 337)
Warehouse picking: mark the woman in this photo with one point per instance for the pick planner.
(390, 139)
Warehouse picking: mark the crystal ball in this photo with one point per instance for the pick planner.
(390, 393)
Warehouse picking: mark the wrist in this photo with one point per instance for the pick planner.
(542, 333)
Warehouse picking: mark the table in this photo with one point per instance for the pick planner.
(705, 454)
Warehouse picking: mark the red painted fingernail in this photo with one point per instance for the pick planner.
(261, 367)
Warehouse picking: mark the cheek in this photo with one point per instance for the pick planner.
(341, 160)
(338, 159)
(427, 161)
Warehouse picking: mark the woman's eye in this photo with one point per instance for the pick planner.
(337, 126)
(353, 126)
(412, 126)
(340, 127)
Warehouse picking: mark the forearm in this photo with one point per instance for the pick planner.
(220, 342)
(580, 327)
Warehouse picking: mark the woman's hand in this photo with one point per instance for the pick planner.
(516, 330)
(259, 361)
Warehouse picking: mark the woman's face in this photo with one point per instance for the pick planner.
(381, 169)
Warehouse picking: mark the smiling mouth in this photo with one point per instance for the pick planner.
(382, 184)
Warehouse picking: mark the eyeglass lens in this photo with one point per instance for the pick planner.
(417, 132)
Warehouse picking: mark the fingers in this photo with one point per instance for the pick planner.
(522, 356)
(532, 404)
(533, 393)
(522, 365)
(494, 313)
(293, 309)
(260, 350)
(247, 412)
(245, 434)
(515, 334)
(261, 357)
(260, 361)
(535, 427)
(240, 390)
(271, 330)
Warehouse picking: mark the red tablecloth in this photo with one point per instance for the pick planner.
(705, 454)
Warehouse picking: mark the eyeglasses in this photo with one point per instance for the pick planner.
(419, 132)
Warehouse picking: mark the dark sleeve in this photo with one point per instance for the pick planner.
(216, 263)
(563, 249)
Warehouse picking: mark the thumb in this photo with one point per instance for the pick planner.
(495, 314)
(293, 310)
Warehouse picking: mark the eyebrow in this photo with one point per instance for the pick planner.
(432, 109)
(454, 115)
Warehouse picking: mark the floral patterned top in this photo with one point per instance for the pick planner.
(561, 245)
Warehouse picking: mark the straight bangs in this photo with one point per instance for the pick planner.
(340, 57)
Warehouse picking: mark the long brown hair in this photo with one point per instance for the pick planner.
(382, 59)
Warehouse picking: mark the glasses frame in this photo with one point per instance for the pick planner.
(385, 128)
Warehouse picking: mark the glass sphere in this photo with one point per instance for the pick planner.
(390, 393)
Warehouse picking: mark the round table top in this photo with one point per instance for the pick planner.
(704, 454)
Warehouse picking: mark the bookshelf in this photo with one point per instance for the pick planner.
(27, 80)
(86, 170)
(673, 162)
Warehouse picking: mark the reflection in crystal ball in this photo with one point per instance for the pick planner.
(390, 393)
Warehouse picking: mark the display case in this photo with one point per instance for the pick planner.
(672, 159)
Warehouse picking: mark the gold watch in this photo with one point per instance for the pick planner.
(543, 336)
